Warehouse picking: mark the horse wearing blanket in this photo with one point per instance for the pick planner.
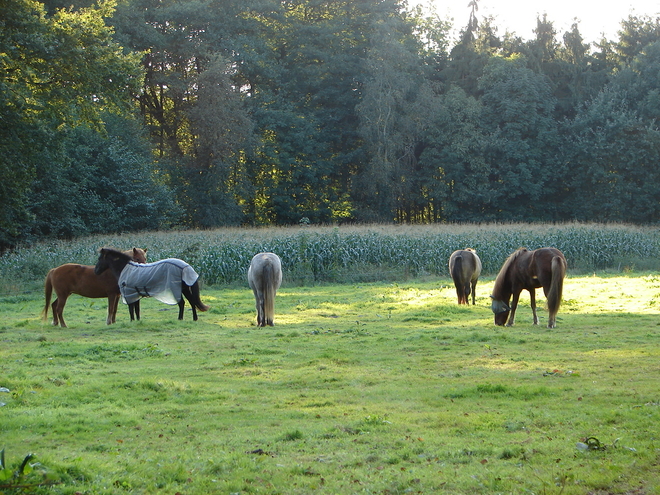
(167, 280)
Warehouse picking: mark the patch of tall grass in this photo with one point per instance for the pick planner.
(350, 254)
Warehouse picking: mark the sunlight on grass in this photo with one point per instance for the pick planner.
(387, 388)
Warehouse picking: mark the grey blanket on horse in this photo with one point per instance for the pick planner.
(161, 279)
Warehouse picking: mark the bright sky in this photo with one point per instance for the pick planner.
(595, 16)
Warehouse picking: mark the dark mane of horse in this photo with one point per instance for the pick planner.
(117, 252)
(500, 285)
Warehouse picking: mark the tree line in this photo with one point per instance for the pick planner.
(151, 114)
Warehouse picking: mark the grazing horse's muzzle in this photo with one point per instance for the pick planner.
(499, 306)
(501, 310)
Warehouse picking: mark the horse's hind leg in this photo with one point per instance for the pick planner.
(552, 317)
(134, 310)
(532, 303)
(261, 310)
(474, 292)
(55, 317)
(194, 310)
(58, 311)
(259, 303)
(182, 305)
(187, 293)
(113, 299)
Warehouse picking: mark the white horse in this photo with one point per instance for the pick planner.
(265, 277)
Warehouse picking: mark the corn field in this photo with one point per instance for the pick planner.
(349, 254)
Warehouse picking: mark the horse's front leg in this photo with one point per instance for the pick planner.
(514, 306)
(532, 303)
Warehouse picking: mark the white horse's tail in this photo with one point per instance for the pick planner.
(269, 290)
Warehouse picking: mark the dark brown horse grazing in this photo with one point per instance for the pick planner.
(80, 279)
(167, 280)
(529, 270)
(465, 268)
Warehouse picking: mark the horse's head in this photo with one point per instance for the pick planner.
(501, 311)
(113, 259)
(102, 264)
(138, 255)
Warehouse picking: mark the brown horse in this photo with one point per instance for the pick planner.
(465, 268)
(529, 270)
(80, 279)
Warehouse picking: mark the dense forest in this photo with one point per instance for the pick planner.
(152, 114)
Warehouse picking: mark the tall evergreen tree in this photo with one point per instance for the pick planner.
(457, 176)
(523, 141)
(393, 112)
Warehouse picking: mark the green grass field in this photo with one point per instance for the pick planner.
(386, 388)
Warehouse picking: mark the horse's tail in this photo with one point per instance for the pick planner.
(48, 289)
(459, 279)
(269, 288)
(558, 271)
(196, 299)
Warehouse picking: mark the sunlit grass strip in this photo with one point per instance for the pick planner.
(352, 253)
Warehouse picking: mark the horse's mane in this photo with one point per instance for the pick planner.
(116, 252)
(501, 276)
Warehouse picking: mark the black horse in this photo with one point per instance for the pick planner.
(167, 280)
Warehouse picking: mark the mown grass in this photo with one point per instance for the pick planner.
(386, 387)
